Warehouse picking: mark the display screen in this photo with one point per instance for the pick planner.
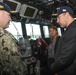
(29, 12)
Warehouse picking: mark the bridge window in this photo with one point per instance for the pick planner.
(33, 30)
(59, 31)
(15, 29)
(46, 31)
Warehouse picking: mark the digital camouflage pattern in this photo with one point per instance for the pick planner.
(10, 62)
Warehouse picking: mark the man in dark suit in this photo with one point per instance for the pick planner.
(65, 57)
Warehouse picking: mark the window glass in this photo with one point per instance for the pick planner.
(33, 30)
(15, 29)
(59, 31)
(46, 31)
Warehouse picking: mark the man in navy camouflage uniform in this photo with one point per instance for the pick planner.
(10, 62)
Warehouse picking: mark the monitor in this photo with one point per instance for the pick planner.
(14, 5)
(28, 11)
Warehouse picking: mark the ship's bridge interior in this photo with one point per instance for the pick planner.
(41, 9)
(32, 22)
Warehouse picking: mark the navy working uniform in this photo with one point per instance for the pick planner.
(10, 62)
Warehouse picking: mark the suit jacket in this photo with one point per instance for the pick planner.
(65, 56)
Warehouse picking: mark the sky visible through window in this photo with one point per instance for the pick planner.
(46, 31)
(15, 29)
(33, 30)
